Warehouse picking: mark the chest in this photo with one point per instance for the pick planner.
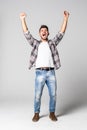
(44, 48)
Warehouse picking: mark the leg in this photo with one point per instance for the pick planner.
(52, 87)
(39, 84)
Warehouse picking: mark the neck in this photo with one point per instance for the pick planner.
(44, 40)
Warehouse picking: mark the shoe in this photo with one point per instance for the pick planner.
(36, 117)
(52, 116)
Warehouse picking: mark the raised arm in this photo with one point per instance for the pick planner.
(31, 40)
(60, 34)
(65, 20)
(23, 21)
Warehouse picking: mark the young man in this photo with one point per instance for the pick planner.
(45, 57)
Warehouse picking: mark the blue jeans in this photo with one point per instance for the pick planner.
(45, 77)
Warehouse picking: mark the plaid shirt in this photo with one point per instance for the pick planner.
(52, 44)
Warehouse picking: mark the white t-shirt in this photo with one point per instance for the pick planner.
(44, 57)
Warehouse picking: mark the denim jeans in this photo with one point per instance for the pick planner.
(45, 77)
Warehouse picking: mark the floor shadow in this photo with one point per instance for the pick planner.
(44, 115)
(73, 99)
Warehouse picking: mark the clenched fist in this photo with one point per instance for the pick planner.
(66, 14)
(22, 15)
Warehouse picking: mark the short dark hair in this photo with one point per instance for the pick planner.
(43, 26)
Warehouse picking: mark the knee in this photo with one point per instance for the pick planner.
(37, 97)
(53, 96)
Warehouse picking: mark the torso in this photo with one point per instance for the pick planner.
(44, 57)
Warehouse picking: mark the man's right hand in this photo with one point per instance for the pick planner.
(22, 16)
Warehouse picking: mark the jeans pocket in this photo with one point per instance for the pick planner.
(38, 72)
(53, 72)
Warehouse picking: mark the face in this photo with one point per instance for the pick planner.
(44, 34)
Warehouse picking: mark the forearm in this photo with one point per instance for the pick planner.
(24, 25)
(65, 21)
(64, 26)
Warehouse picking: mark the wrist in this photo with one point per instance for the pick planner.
(65, 19)
(22, 18)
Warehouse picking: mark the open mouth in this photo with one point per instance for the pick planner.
(44, 35)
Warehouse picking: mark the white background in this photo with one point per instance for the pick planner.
(17, 82)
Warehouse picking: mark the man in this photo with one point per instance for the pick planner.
(45, 58)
